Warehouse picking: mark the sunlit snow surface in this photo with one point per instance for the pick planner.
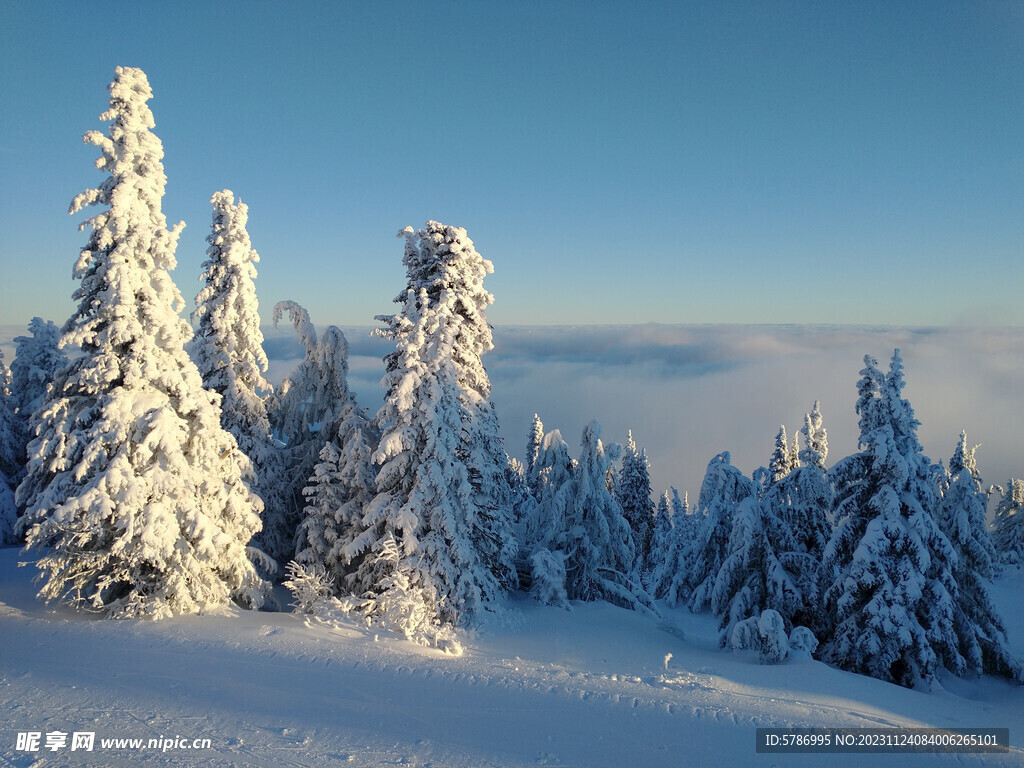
(587, 687)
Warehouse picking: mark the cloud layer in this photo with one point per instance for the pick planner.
(689, 392)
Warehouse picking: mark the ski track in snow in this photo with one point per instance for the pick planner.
(588, 687)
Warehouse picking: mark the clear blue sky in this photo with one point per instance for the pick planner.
(619, 162)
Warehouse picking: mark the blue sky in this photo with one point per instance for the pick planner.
(619, 162)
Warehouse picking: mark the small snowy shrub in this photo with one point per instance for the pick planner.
(309, 585)
(774, 643)
(802, 641)
(548, 571)
(766, 634)
(405, 607)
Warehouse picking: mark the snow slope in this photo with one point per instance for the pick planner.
(587, 687)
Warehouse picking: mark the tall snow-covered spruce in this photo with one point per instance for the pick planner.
(228, 346)
(980, 628)
(441, 516)
(134, 493)
(9, 465)
(888, 583)
(633, 492)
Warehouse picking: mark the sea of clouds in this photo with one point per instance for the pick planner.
(688, 392)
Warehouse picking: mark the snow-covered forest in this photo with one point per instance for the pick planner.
(152, 469)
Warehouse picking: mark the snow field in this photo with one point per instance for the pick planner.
(587, 687)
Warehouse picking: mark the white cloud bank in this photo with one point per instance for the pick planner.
(689, 392)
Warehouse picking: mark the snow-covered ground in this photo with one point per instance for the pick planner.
(587, 687)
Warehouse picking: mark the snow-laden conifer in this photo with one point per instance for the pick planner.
(887, 568)
(766, 633)
(533, 447)
(598, 545)
(1008, 532)
(228, 349)
(698, 562)
(661, 536)
(134, 493)
(547, 578)
(552, 478)
(521, 501)
(633, 492)
(674, 529)
(342, 484)
(800, 501)
(37, 358)
(552, 469)
(442, 495)
(754, 576)
(9, 464)
(979, 626)
(309, 410)
(783, 460)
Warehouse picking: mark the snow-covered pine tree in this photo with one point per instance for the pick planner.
(37, 358)
(309, 409)
(533, 445)
(801, 500)
(134, 492)
(443, 260)
(228, 350)
(441, 490)
(599, 547)
(1008, 531)
(809, 490)
(924, 488)
(342, 484)
(699, 560)
(681, 517)
(979, 626)
(754, 577)
(553, 473)
(781, 463)
(886, 569)
(9, 464)
(661, 537)
(668, 555)
(633, 492)
(521, 500)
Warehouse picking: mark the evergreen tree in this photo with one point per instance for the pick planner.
(700, 559)
(801, 501)
(782, 462)
(889, 587)
(342, 485)
(134, 492)
(309, 409)
(533, 446)
(552, 477)
(669, 554)
(633, 492)
(228, 350)
(1008, 534)
(598, 545)
(521, 501)
(37, 358)
(979, 626)
(9, 465)
(758, 573)
(661, 536)
(441, 490)
(682, 520)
